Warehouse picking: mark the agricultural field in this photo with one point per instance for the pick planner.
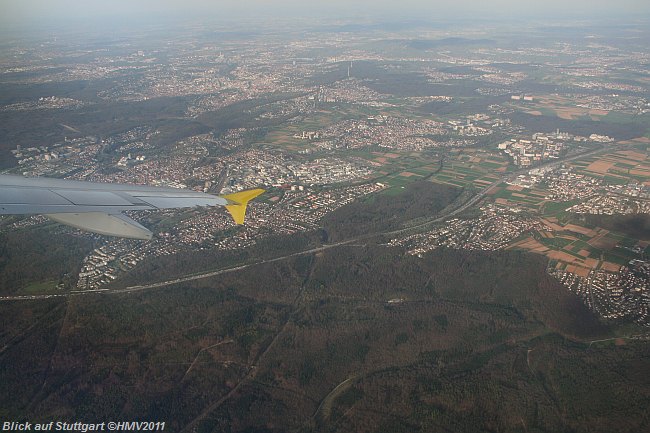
(561, 107)
(574, 243)
(472, 167)
(532, 199)
(617, 168)
(578, 249)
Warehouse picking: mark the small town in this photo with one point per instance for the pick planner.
(312, 169)
(614, 295)
(495, 229)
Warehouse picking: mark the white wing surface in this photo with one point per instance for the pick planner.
(98, 207)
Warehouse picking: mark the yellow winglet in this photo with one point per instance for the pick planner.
(238, 201)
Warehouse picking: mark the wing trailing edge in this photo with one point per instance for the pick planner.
(118, 225)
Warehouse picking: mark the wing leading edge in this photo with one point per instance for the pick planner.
(98, 207)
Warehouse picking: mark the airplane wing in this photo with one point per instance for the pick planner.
(98, 207)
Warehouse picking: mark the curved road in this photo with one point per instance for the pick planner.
(471, 202)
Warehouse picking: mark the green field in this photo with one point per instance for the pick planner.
(558, 208)
(43, 287)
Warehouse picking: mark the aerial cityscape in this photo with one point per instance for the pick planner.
(452, 213)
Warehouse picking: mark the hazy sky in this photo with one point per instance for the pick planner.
(26, 13)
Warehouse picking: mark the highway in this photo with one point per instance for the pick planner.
(187, 278)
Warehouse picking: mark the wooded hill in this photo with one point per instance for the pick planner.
(471, 342)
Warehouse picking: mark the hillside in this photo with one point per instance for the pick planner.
(312, 344)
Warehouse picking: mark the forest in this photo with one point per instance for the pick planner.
(48, 253)
(583, 127)
(360, 338)
(636, 226)
(389, 211)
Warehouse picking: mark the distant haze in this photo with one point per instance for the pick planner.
(37, 13)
